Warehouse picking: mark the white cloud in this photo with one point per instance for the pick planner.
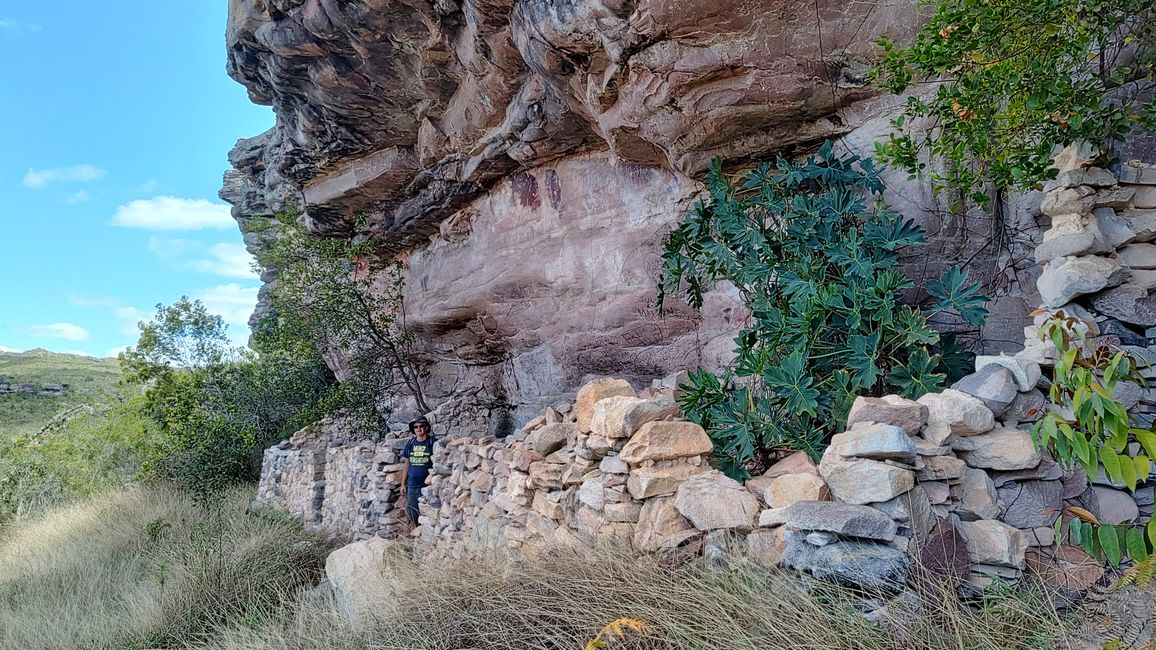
(12, 24)
(168, 248)
(128, 317)
(229, 260)
(113, 352)
(86, 173)
(171, 213)
(5, 348)
(66, 331)
(80, 196)
(232, 301)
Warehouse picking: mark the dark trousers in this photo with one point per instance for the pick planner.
(412, 492)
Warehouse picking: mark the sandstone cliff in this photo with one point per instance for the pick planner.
(527, 157)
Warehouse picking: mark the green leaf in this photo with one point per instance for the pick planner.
(1110, 543)
(1111, 462)
(1152, 532)
(954, 293)
(790, 382)
(1147, 440)
(861, 360)
(1137, 547)
(918, 376)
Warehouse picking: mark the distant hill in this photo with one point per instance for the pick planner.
(38, 384)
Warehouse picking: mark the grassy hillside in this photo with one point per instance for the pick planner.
(90, 381)
(103, 445)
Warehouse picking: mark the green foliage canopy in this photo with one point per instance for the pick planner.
(817, 267)
(1007, 81)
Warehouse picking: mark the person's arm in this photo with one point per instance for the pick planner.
(405, 452)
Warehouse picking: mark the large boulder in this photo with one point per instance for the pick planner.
(362, 577)
(1129, 303)
(791, 488)
(713, 501)
(658, 441)
(979, 498)
(658, 522)
(863, 565)
(1031, 504)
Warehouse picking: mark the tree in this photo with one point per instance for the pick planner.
(183, 335)
(1013, 80)
(339, 293)
(216, 406)
(817, 268)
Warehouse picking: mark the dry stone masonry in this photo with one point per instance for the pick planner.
(951, 481)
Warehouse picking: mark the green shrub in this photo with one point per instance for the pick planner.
(216, 407)
(1011, 81)
(815, 257)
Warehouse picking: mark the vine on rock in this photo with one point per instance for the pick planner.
(814, 254)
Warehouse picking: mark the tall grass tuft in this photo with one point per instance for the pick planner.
(568, 600)
(147, 568)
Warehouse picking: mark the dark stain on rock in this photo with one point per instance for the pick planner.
(525, 186)
(553, 189)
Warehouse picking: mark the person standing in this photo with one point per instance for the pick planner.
(418, 454)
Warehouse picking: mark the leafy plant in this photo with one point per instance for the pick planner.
(1115, 543)
(339, 294)
(814, 255)
(1090, 426)
(997, 86)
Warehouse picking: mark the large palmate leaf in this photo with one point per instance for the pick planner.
(918, 376)
(955, 294)
(861, 360)
(893, 232)
(790, 381)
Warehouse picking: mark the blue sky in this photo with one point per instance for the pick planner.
(115, 120)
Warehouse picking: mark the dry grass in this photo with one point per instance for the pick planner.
(146, 568)
(562, 600)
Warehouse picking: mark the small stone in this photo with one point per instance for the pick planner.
(1031, 504)
(765, 547)
(911, 509)
(864, 565)
(647, 482)
(791, 488)
(1115, 230)
(1027, 374)
(1114, 507)
(1068, 201)
(906, 414)
(657, 441)
(865, 481)
(1137, 173)
(937, 492)
(594, 392)
(613, 465)
(713, 501)
(1027, 407)
(1137, 256)
(548, 438)
(1066, 567)
(620, 416)
(841, 519)
(1071, 234)
(1141, 222)
(821, 539)
(994, 385)
(1002, 449)
(963, 414)
(940, 468)
(772, 517)
(658, 521)
(1129, 303)
(1043, 536)
(626, 512)
(796, 463)
(1143, 196)
(1093, 176)
(1065, 278)
(994, 542)
(874, 441)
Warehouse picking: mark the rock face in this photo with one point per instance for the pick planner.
(526, 160)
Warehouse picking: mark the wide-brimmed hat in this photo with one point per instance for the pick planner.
(416, 421)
